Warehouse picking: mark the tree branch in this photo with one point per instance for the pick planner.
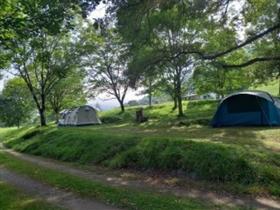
(250, 62)
(238, 46)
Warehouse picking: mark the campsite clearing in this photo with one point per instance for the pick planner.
(240, 161)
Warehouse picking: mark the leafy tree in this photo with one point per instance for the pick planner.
(16, 105)
(157, 51)
(34, 33)
(104, 60)
(208, 79)
(150, 85)
(209, 18)
(42, 62)
(68, 93)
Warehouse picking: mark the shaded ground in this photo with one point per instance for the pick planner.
(142, 181)
(56, 196)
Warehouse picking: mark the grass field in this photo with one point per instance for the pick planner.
(121, 197)
(20, 201)
(271, 87)
(243, 160)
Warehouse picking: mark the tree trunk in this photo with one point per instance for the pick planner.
(42, 111)
(175, 103)
(150, 93)
(180, 106)
(179, 98)
(43, 121)
(279, 87)
(122, 106)
(56, 117)
(150, 99)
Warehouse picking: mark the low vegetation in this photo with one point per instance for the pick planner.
(162, 114)
(130, 199)
(246, 160)
(19, 201)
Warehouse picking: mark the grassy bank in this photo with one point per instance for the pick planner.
(130, 199)
(12, 199)
(247, 159)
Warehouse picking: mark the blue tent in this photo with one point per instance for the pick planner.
(248, 108)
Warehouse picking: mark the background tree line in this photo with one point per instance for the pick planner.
(59, 58)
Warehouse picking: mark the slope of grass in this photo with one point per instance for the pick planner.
(195, 112)
(129, 199)
(271, 87)
(12, 199)
(245, 158)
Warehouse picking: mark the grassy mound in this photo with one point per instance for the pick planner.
(202, 160)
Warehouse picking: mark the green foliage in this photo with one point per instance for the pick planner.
(104, 57)
(16, 103)
(208, 79)
(67, 93)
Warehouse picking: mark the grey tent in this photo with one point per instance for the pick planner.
(83, 115)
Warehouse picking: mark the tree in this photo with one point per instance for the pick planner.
(156, 51)
(16, 105)
(68, 93)
(105, 64)
(208, 79)
(34, 32)
(150, 85)
(42, 62)
(136, 17)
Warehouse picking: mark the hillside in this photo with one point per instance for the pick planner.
(271, 87)
(238, 160)
(196, 112)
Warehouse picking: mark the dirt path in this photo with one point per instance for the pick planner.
(56, 196)
(149, 183)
